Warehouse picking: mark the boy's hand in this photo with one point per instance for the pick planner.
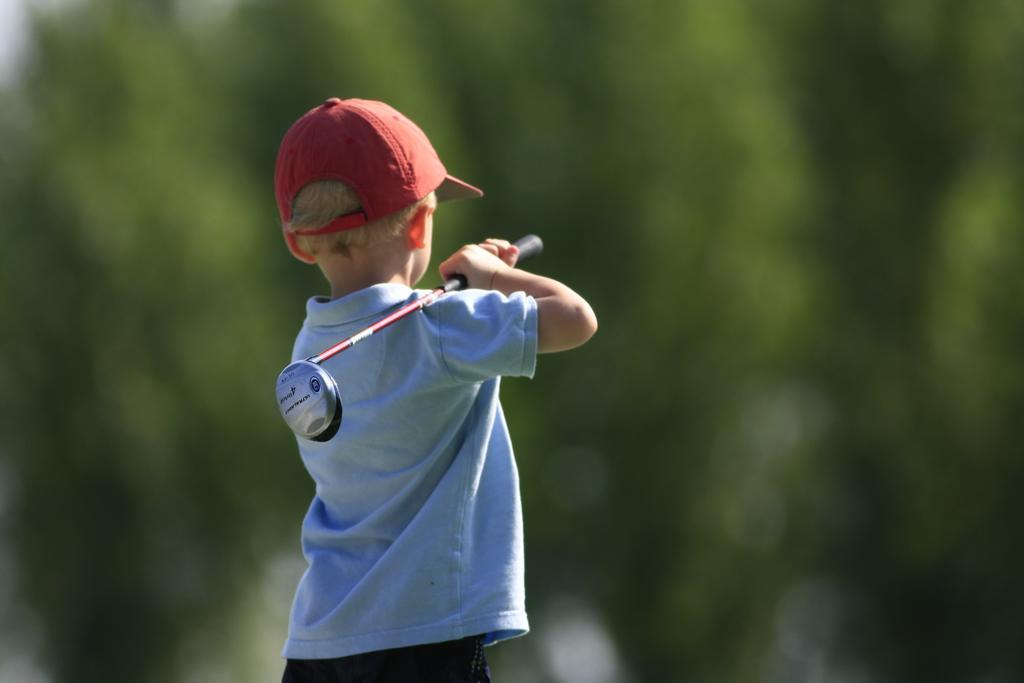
(479, 263)
(509, 253)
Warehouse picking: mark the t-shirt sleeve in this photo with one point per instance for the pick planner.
(484, 334)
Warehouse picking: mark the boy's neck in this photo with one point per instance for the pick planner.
(365, 267)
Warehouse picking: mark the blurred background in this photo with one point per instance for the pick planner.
(792, 453)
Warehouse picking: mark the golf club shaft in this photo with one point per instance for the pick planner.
(530, 245)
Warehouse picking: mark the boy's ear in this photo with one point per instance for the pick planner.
(417, 232)
(297, 252)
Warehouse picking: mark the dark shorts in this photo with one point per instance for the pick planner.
(453, 661)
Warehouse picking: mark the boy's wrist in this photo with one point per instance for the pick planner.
(500, 282)
(494, 275)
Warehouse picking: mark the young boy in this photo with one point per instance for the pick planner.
(414, 536)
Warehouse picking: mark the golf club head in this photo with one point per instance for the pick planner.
(308, 398)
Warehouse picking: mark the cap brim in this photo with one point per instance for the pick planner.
(452, 188)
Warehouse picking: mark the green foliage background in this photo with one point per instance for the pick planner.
(791, 453)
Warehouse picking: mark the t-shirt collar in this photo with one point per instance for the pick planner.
(364, 303)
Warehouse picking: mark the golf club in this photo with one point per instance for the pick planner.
(307, 394)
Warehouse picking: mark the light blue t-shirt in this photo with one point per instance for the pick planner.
(415, 532)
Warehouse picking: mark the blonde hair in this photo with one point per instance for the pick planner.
(321, 201)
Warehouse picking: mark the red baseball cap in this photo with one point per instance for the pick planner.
(372, 148)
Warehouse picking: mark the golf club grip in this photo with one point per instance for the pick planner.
(529, 246)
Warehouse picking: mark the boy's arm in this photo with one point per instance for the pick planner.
(564, 319)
